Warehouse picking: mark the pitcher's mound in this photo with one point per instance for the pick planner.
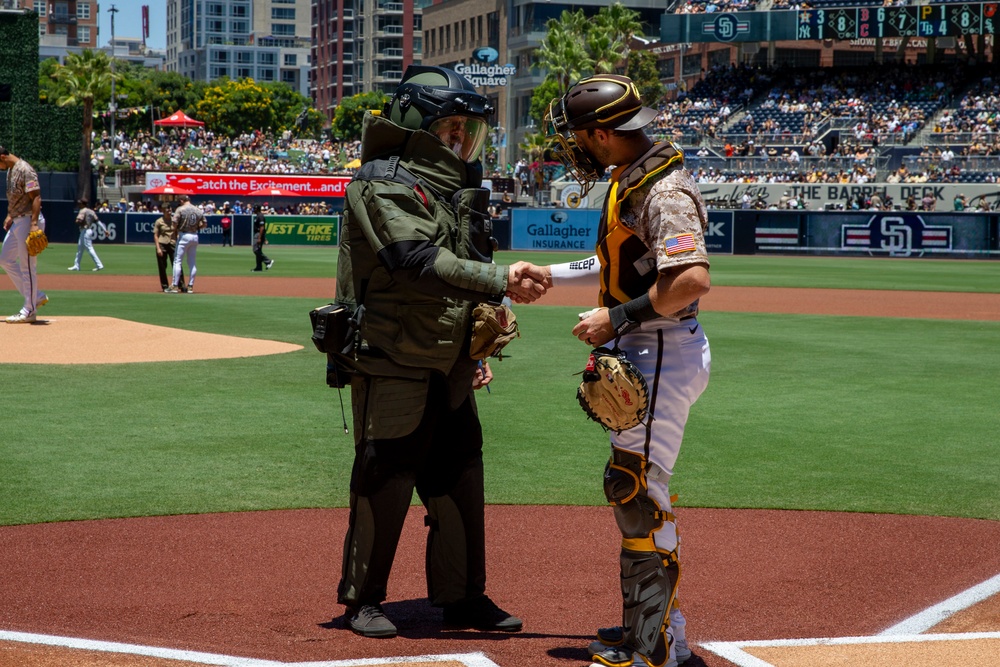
(109, 340)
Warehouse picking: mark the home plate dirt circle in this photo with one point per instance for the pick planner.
(760, 587)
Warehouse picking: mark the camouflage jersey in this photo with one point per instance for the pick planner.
(85, 218)
(21, 179)
(189, 219)
(654, 219)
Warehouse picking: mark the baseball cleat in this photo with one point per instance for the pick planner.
(97, 268)
(73, 268)
(21, 318)
(270, 263)
(42, 300)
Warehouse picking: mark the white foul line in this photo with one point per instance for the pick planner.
(467, 659)
(928, 618)
(906, 631)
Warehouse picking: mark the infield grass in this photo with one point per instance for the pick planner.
(802, 412)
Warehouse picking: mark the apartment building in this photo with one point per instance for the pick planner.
(266, 40)
(361, 46)
(64, 26)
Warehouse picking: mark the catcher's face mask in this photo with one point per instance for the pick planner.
(578, 162)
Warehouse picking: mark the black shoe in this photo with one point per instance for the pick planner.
(256, 270)
(369, 620)
(481, 614)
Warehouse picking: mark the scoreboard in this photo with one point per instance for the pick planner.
(949, 19)
(941, 20)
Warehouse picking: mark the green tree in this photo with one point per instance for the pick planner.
(288, 104)
(540, 100)
(348, 117)
(620, 24)
(85, 76)
(644, 71)
(563, 53)
(49, 88)
(234, 107)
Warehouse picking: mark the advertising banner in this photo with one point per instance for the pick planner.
(554, 229)
(241, 185)
(719, 235)
(303, 229)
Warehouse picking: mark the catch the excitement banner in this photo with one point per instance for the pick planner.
(241, 185)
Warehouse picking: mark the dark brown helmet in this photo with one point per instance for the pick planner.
(605, 101)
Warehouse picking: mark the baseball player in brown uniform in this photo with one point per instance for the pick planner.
(650, 270)
(188, 220)
(24, 215)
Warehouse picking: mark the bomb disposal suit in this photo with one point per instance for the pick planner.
(415, 258)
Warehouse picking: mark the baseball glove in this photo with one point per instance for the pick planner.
(492, 328)
(613, 392)
(36, 242)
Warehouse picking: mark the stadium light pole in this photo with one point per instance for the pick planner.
(113, 107)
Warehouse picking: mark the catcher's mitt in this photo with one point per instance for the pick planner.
(36, 242)
(613, 392)
(492, 328)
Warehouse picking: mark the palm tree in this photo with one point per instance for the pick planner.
(621, 24)
(562, 53)
(86, 76)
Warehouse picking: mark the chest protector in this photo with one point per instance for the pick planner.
(619, 249)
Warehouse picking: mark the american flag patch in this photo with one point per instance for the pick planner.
(31, 185)
(679, 243)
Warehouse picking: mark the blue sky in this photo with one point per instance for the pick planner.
(128, 21)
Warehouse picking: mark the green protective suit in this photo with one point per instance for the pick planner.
(417, 256)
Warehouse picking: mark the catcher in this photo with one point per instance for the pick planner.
(652, 268)
(25, 226)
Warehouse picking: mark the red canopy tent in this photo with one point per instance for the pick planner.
(179, 119)
(273, 192)
(167, 190)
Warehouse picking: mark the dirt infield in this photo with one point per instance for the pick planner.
(262, 585)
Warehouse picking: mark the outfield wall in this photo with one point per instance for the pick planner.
(302, 230)
(816, 196)
(863, 233)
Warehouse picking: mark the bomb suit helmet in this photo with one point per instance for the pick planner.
(604, 101)
(443, 102)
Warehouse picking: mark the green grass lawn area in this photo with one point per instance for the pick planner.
(802, 412)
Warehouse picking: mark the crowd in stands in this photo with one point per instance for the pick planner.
(200, 149)
(710, 6)
(826, 125)
(209, 207)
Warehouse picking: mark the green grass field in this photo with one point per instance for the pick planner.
(802, 412)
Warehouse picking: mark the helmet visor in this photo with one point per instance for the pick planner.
(464, 135)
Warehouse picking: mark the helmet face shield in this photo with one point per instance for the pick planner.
(465, 135)
(564, 147)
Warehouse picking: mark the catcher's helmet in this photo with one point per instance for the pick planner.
(606, 101)
(438, 99)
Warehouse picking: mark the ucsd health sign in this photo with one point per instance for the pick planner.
(237, 185)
